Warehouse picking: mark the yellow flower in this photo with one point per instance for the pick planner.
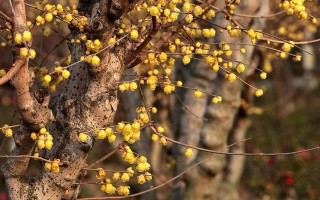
(27, 36)
(286, 47)
(123, 190)
(197, 10)
(33, 136)
(48, 17)
(186, 59)
(154, 137)
(47, 78)
(49, 144)
(141, 179)
(231, 77)
(198, 94)
(32, 54)
(133, 86)
(68, 17)
(24, 53)
(112, 138)
(263, 75)
(42, 131)
(160, 129)
(65, 74)
(216, 99)
(83, 137)
(186, 7)
(18, 38)
(154, 11)
(110, 189)
(134, 34)
(163, 57)
(116, 176)
(8, 132)
(95, 61)
(259, 93)
(101, 135)
(188, 153)
(47, 166)
(100, 174)
(241, 68)
(125, 177)
(41, 144)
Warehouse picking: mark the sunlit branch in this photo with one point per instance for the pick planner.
(13, 70)
(232, 154)
(259, 16)
(166, 183)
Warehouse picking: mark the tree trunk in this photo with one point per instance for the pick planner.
(88, 101)
(207, 180)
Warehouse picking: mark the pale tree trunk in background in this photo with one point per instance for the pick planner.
(309, 81)
(235, 164)
(208, 180)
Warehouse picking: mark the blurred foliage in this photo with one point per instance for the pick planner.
(280, 177)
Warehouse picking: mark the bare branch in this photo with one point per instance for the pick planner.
(6, 17)
(13, 70)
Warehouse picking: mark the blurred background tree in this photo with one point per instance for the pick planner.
(284, 120)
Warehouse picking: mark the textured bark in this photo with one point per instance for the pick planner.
(88, 101)
(34, 114)
(206, 181)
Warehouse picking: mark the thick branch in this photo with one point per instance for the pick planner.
(88, 101)
(13, 70)
(33, 115)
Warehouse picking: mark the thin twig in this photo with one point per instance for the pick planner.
(232, 154)
(6, 17)
(105, 157)
(162, 184)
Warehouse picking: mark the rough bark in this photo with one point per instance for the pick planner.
(88, 101)
(34, 114)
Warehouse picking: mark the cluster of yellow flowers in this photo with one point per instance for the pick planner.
(52, 166)
(92, 60)
(92, 46)
(296, 7)
(7, 131)
(132, 86)
(128, 155)
(27, 53)
(100, 134)
(108, 187)
(130, 132)
(155, 137)
(44, 139)
(168, 87)
(53, 80)
(142, 164)
(152, 82)
(234, 32)
(26, 37)
(231, 5)
(254, 35)
(59, 13)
